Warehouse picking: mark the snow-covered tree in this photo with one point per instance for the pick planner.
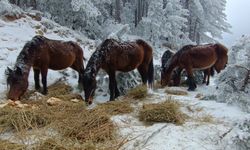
(165, 21)
(234, 82)
(206, 19)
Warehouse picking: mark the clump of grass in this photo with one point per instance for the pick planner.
(6, 145)
(89, 125)
(116, 107)
(138, 92)
(17, 120)
(62, 91)
(205, 119)
(176, 92)
(168, 111)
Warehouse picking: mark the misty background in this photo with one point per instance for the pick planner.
(238, 15)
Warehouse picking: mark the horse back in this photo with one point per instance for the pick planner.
(199, 57)
(56, 54)
(124, 57)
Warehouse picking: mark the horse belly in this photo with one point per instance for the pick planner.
(203, 61)
(62, 62)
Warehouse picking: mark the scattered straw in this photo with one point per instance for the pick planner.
(21, 119)
(116, 107)
(168, 111)
(138, 92)
(176, 92)
(90, 125)
(6, 145)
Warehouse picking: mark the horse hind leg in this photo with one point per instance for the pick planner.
(114, 93)
(191, 82)
(142, 69)
(36, 78)
(80, 69)
(44, 72)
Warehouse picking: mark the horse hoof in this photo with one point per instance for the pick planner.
(191, 89)
(44, 92)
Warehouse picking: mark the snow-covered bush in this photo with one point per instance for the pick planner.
(233, 83)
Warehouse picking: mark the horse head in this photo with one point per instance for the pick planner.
(17, 83)
(165, 61)
(89, 86)
(221, 63)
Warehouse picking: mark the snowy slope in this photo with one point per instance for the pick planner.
(224, 132)
(193, 134)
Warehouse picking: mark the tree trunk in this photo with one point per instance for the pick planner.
(118, 10)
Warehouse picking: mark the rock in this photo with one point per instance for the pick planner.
(200, 96)
(176, 91)
(75, 100)
(53, 101)
(3, 105)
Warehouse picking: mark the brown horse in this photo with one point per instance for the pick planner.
(195, 58)
(176, 76)
(113, 56)
(43, 54)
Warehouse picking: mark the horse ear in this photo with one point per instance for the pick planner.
(8, 71)
(19, 71)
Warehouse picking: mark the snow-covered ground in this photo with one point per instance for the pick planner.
(195, 134)
(219, 133)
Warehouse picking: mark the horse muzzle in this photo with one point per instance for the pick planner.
(89, 101)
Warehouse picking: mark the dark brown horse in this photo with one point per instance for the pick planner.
(176, 75)
(113, 56)
(195, 58)
(43, 54)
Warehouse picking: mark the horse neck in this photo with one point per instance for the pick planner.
(24, 63)
(172, 64)
(95, 63)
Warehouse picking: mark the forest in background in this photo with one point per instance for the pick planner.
(171, 23)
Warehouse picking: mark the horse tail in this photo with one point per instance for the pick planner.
(151, 73)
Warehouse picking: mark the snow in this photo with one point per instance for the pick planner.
(192, 135)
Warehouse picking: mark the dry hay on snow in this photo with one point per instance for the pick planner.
(116, 107)
(138, 92)
(59, 90)
(168, 111)
(6, 145)
(68, 120)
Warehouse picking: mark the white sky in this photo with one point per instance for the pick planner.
(238, 15)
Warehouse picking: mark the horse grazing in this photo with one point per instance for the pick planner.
(176, 76)
(198, 57)
(113, 56)
(43, 54)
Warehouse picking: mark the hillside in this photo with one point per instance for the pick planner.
(212, 124)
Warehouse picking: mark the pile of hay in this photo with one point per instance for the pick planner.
(116, 107)
(138, 92)
(6, 145)
(168, 111)
(17, 120)
(67, 120)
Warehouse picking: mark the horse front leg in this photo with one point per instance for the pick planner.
(208, 75)
(112, 85)
(191, 82)
(36, 78)
(117, 93)
(44, 72)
